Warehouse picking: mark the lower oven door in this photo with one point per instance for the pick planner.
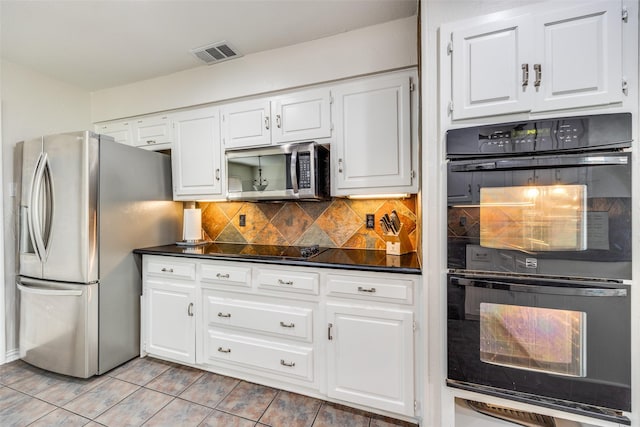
(562, 342)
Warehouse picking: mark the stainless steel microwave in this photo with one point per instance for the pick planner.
(282, 172)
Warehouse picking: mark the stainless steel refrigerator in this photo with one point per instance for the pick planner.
(86, 203)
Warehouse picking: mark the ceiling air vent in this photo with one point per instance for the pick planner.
(216, 52)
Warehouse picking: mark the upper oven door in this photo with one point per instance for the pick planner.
(563, 215)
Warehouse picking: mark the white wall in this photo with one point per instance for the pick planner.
(372, 49)
(32, 105)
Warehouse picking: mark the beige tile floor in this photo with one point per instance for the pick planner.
(152, 392)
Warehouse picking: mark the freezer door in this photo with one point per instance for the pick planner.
(58, 212)
(59, 326)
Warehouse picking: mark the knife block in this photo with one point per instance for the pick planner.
(398, 244)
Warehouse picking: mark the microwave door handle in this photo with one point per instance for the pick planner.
(545, 289)
(294, 171)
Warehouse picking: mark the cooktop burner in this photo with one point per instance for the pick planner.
(264, 251)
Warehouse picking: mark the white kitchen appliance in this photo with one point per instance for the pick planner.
(86, 203)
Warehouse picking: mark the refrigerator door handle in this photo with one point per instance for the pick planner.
(48, 291)
(41, 207)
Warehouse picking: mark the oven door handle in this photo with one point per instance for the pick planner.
(543, 162)
(543, 289)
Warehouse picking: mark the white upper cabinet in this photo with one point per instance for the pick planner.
(564, 57)
(299, 116)
(149, 132)
(375, 151)
(579, 51)
(196, 158)
(302, 116)
(154, 132)
(120, 131)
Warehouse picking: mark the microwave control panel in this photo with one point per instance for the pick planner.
(304, 170)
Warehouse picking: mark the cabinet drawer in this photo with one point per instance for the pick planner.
(223, 274)
(292, 361)
(393, 290)
(280, 320)
(282, 280)
(171, 268)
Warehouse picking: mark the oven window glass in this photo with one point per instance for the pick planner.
(533, 338)
(534, 218)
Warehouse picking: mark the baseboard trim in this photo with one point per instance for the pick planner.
(12, 355)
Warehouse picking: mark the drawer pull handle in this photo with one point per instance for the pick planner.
(287, 364)
(369, 290)
(221, 314)
(167, 270)
(151, 141)
(190, 309)
(283, 282)
(222, 276)
(287, 325)
(329, 337)
(224, 350)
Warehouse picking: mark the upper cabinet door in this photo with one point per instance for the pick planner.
(579, 53)
(246, 124)
(302, 116)
(197, 156)
(373, 149)
(120, 131)
(490, 69)
(153, 133)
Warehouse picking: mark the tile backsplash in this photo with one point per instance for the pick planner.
(338, 223)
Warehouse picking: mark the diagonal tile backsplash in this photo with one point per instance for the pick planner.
(339, 223)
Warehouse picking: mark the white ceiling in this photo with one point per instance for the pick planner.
(96, 44)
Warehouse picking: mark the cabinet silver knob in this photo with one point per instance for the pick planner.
(329, 337)
(288, 325)
(217, 174)
(339, 165)
(266, 122)
(190, 309)
(224, 350)
(221, 314)
(287, 364)
(278, 122)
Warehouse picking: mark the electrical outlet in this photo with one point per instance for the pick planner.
(371, 221)
(243, 220)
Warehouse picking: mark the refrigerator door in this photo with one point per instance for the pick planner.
(59, 326)
(58, 208)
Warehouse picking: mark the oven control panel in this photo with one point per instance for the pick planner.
(535, 136)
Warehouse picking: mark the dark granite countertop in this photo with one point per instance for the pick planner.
(347, 259)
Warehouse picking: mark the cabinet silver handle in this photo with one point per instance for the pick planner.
(278, 122)
(287, 325)
(538, 70)
(190, 309)
(525, 75)
(217, 174)
(221, 314)
(224, 350)
(369, 290)
(282, 282)
(287, 364)
(222, 276)
(151, 141)
(329, 337)
(266, 122)
(166, 270)
(339, 165)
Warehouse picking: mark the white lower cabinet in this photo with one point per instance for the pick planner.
(266, 324)
(370, 356)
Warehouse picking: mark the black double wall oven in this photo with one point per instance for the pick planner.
(539, 258)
